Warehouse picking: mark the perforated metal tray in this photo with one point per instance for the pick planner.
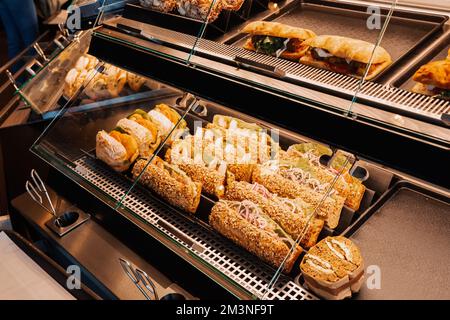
(407, 240)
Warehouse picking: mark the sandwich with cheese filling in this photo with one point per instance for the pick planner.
(167, 118)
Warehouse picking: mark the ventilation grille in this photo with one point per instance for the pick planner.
(238, 265)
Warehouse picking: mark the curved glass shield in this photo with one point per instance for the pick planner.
(46, 90)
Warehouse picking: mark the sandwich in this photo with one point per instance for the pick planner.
(281, 183)
(333, 269)
(142, 118)
(276, 39)
(117, 149)
(86, 62)
(169, 182)
(74, 80)
(135, 82)
(346, 185)
(233, 5)
(256, 144)
(167, 118)
(246, 224)
(197, 158)
(204, 10)
(216, 143)
(116, 79)
(159, 5)
(433, 79)
(345, 55)
(293, 215)
(143, 136)
(97, 88)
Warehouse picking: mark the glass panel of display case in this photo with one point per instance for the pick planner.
(409, 85)
(50, 88)
(148, 24)
(273, 196)
(100, 125)
(352, 58)
(316, 201)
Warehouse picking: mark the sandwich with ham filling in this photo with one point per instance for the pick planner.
(346, 55)
(246, 224)
(276, 39)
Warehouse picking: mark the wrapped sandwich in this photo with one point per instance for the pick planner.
(197, 157)
(293, 215)
(231, 150)
(251, 138)
(345, 55)
(333, 268)
(75, 79)
(282, 183)
(143, 136)
(338, 166)
(159, 5)
(81, 72)
(246, 224)
(204, 10)
(116, 79)
(169, 182)
(276, 39)
(167, 119)
(433, 79)
(117, 149)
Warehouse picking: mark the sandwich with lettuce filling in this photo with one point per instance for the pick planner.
(276, 39)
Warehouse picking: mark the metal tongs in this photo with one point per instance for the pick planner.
(37, 191)
(140, 279)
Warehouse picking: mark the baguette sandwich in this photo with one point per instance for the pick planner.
(345, 55)
(293, 215)
(195, 156)
(246, 224)
(169, 182)
(276, 39)
(280, 182)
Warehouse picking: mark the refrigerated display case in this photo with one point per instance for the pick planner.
(249, 166)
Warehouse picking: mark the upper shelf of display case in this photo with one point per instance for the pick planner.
(407, 39)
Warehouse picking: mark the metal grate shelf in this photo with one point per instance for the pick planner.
(238, 265)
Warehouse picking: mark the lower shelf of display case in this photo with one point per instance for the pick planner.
(239, 267)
